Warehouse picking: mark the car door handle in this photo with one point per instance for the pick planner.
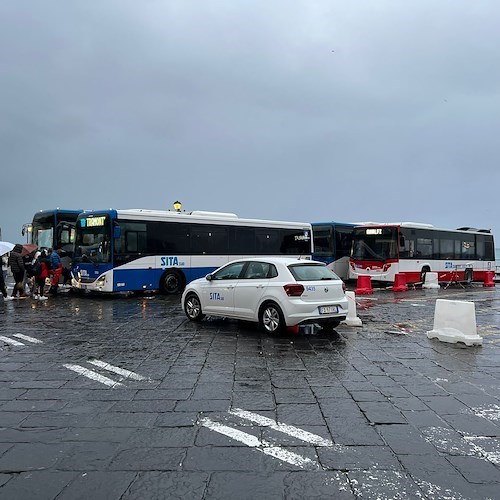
(260, 286)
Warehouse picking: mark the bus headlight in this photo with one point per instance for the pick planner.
(101, 281)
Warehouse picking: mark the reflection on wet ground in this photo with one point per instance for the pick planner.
(125, 397)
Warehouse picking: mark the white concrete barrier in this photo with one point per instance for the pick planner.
(431, 280)
(455, 321)
(351, 319)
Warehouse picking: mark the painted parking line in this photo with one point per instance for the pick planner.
(267, 447)
(371, 483)
(92, 375)
(33, 340)
(7, 340)
(116, 369)
(290, 430)
(262, 446)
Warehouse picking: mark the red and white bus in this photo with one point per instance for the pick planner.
(383, 250)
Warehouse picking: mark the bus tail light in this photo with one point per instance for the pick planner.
(294, 289)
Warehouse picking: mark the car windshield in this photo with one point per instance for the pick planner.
(312, 272)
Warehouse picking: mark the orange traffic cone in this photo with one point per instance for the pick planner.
(364, 286)
(488, 278)
(400, 283)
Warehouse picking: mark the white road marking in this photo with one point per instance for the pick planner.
(402, 483)
(116, 369)
(10, 341)
(28, 339)
(92, 375)
(262, 446)
(295, 432)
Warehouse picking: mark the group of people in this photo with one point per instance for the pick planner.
(31, 272)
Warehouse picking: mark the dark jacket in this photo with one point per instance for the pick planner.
(16, 263)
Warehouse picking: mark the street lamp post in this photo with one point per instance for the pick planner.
(27, 228)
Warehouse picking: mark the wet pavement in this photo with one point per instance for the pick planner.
(123, 398)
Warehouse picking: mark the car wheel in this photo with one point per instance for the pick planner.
(329, 326)
(171, 282)
(271, 318)
(192, 307)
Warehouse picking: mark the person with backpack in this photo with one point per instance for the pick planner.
(41, 272)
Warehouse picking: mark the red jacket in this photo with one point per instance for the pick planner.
(45, 271)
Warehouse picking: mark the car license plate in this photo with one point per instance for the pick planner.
(328, 309)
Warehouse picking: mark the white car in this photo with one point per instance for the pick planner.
(276, 292)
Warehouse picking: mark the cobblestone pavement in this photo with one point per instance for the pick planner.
(123, 398)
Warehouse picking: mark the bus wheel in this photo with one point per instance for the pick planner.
(423, 272)
(171, 282)
(469, 276)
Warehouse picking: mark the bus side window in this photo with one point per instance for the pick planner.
(407, 248)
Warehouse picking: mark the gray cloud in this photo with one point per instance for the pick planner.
(285, 110)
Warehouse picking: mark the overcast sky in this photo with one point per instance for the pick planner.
(304, 110)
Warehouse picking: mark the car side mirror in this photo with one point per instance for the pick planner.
(209, 277)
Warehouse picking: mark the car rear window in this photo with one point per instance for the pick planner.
(312, 272)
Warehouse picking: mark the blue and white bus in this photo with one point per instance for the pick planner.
(138, 250)
(332, 245)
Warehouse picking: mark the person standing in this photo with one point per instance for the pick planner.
(16, 264)
(56, 264)
(29, 275)
(5, 266)
(41, 271)
(3, 288)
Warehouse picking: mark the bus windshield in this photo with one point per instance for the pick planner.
(93, 240)
(43, 230)
(377, 243)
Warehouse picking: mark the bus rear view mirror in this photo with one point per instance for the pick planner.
(208, 277)
(117, 232)
(401, 241)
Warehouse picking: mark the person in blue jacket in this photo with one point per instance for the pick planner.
(56, 264)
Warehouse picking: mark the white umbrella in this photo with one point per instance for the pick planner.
(5, 247)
